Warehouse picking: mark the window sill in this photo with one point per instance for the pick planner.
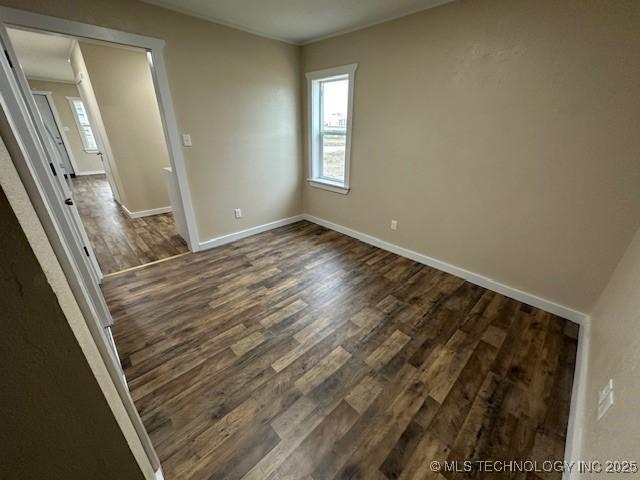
(328, 185)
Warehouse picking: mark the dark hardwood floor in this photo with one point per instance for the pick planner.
(118, 241)
(301, 353)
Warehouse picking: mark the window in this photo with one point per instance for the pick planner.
(84, 127)
(330, 105)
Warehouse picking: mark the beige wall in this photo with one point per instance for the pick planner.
(86, 162)
(85, 88)
(615, 353)
(502, 137)
(498, 133)
(238, 96)
(123, 87)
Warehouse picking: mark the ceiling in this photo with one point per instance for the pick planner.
(43, 56)
(298, 21)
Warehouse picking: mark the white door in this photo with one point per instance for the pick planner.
(44, 163)
(53, 132)
(56, 146)
(52, 138)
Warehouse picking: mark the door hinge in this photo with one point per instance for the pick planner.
(53, 169)
(86, 250)
(6, 54)
(68, 201)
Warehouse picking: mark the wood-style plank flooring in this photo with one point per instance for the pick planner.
(118, 241)
(302, 353)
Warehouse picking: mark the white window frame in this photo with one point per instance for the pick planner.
(314, 80)
(79, 126)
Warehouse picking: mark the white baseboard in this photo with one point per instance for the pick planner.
(90, 172)
(475, 278)
(146, 213)
(577, 410)
(159, 474)
(575, 428)
(232, 237)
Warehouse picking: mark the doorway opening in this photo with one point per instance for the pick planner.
(47, 165)
(98, 106)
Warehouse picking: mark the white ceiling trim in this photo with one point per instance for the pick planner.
(377, 22)
(209, 18)
(213, 19)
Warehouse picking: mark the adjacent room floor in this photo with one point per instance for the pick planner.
(303, 353)
(118, 241)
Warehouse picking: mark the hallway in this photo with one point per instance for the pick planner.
(118, 241)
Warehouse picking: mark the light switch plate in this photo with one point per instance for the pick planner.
(605, 405)
(186, 140)
(605, 391)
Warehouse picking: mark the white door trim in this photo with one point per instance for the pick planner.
(155, 47)
(58, 120)
(39, 226)
(577, 410)
(43, 157)
(34, 164)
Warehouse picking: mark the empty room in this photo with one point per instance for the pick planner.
(269, 240)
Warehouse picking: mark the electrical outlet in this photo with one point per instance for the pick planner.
(605, 399)
(186, 140)
(394, 225)
(238, 213)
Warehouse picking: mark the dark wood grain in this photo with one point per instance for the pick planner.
(301, 353)
(120, 242)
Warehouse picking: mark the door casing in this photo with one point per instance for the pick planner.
(19, 108)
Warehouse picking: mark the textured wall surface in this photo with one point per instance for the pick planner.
(55, 421)
(502, 137)
(615, 353)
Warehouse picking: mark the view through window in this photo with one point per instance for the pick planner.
(330, 104)
(333, 130)
(84, 127)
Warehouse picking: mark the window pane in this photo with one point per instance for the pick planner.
(333, 151)
(333, 108)
(89, 138)
(334, 104)
(80, 112)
